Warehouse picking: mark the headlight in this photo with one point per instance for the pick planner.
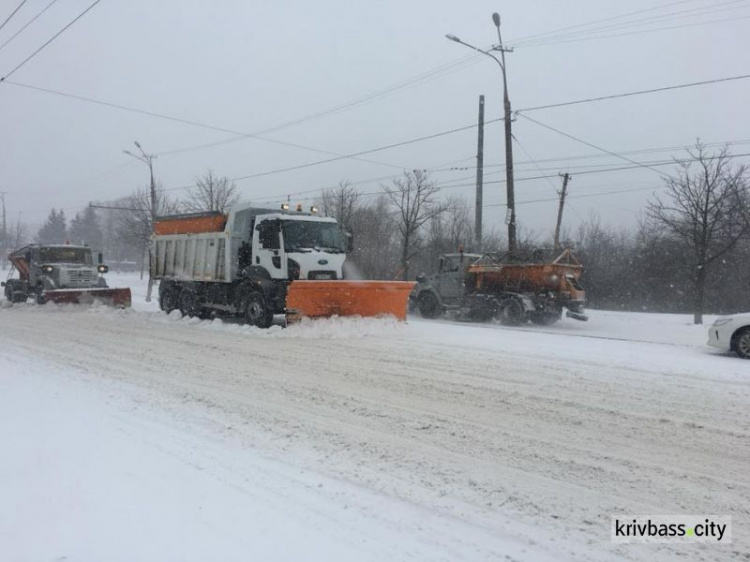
(47, 268)
(722, 321)
(103, 268)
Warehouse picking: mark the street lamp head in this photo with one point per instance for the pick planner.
(496, 19)
(452, 38)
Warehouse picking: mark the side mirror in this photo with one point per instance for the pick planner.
(101, 258)
(349, 242)
(2, 283)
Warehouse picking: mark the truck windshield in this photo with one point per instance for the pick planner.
(313, 235)
(65, 255)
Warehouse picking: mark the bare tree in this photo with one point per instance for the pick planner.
(707, 208)
(414, 197)
(18, 234)
(340, 202)
(212, 193)
(375, 255)
(135, 224)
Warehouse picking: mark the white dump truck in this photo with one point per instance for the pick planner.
(256, 263)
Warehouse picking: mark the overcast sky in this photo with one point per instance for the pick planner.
(251, 66)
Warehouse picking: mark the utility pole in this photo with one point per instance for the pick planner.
(510, 218)
(148, 159)
(480, 176)
(563, 193)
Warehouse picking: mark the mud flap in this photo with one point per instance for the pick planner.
(120, 298)
(316, 299)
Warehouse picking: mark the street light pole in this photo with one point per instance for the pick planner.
(148, 159)
(510, 191)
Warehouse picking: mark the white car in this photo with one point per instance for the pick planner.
(732, 333)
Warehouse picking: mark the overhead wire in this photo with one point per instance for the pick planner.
(581, 31)
(549, 180)
(568, 135)
(723, 20)
(32, 20)
(13, 13)
(345, 156)
(635, 93)
(55, 36)
(180, 120)
(634, 24)
(585, 24)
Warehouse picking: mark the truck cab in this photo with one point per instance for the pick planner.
(444, 289)
(61, 273)
(296, 247)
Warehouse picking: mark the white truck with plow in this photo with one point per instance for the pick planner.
(256, 263)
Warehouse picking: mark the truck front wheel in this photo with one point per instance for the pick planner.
(429, 307)
(255, 310)
(545, 318)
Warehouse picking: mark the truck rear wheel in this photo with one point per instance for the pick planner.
(169, 299)
(14, 291)
(189, 305)
(255, 310)
(429, 307)
(513, 313)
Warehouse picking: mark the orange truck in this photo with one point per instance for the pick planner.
(534, 286)
(259, 263)
(62, 273)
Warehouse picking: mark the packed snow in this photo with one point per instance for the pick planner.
(133, 435)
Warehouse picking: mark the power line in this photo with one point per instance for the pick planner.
(345, 156)
(55, 36)
(32, 20)
(681, 14)
(635, 93)
(179, 120)
(558, 131)
(13, 13)
(734, 19)
(339, 156)
(521, 179)
(577, 26)
(439, 71)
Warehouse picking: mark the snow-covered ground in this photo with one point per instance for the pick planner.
(131, 435)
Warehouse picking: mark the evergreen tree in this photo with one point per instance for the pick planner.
(85, 229)
(54, 230)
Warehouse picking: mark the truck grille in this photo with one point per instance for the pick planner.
(80, 278)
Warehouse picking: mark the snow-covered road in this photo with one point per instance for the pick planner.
(362, 439)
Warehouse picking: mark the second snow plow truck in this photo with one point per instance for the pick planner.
(533, 286)
(60, 273)
(256, 263)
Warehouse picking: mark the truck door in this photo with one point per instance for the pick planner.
(268, 248)
(451, 277)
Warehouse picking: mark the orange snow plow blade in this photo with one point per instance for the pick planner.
(317, 299)
(119, 298)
